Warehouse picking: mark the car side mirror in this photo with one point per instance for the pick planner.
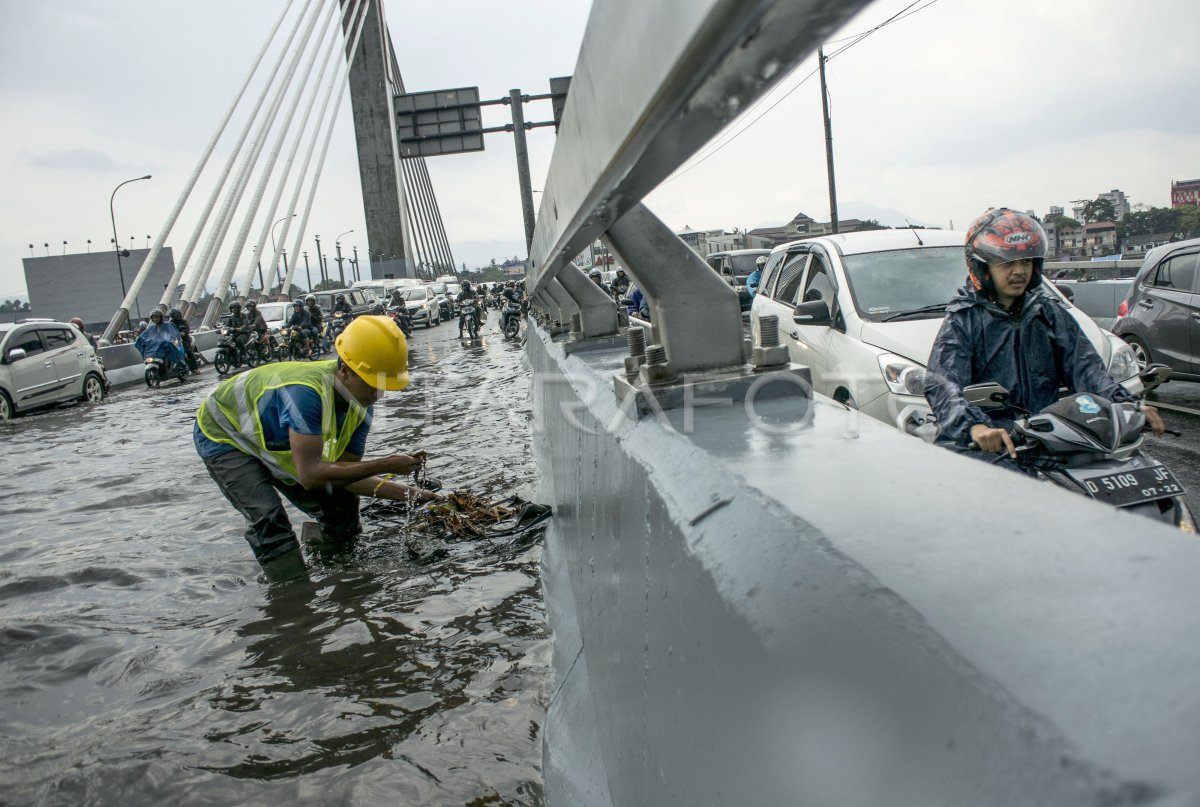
(16, 354)
(986, 396)
(1067, 292)
(813, 313)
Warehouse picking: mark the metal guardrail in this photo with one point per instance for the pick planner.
(654, 82)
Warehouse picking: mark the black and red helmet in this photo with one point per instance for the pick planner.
(999, 236)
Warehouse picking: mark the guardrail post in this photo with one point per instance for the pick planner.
(697, 314)
(563, 304)
(597, 310)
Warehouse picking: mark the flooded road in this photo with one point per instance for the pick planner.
(143, 660)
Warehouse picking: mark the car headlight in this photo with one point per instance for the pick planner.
(903, 377)
(1122, 365)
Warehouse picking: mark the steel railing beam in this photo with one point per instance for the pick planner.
(654, 82)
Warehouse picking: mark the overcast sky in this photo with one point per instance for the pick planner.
(963, 105)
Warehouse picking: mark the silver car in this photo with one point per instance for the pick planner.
(862, 310)
(44, 362)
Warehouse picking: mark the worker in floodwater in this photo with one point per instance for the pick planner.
(300, 429)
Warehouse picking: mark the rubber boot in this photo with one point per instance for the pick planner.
(288, 567)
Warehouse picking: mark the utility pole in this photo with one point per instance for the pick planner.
(518, 117)
(833, 214)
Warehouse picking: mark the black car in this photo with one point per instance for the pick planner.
(1160, 319)
(734, 267)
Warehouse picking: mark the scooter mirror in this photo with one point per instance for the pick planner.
(986, 396)
(1154, 375)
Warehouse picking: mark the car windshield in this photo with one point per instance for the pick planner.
(378, 291)
(883, 284)
(438, 288)
(272, 311)
(414, 294)
(744, 265)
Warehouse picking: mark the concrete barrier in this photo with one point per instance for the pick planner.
(123, 363)
(767, 607)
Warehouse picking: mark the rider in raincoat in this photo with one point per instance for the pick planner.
(161, 340)
(1002, 327)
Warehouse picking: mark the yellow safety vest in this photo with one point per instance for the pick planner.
(230, 415)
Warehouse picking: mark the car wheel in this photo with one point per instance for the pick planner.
(1141, 353)
(93, 389)
(6, 408)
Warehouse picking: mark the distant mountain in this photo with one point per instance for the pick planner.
(478, 253)
(887, 216)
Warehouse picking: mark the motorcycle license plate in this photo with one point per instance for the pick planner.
(1133, 487)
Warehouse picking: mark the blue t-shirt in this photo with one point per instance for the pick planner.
(295, 407)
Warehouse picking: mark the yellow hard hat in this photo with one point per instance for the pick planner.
(375, 348)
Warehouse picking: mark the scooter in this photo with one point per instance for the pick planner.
(158, 369)
(399, 315)
(231, 352)
(1091, 446)
(467, 318)
(510, 320)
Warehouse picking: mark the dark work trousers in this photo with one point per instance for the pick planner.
(251, 489)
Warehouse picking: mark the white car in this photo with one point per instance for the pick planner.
(871, 304)
(422, 304)
(44, 362)
(275, 314)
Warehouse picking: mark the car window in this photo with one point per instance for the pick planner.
(744, 265)
(27, 341)
(770, 271)
(818, 286)
(882, 284)
(785, 286)
(56, 338)
(1177, 273)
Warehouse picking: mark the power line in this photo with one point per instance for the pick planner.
(727, 139)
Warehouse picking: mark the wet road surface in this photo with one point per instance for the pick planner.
(1180, 454)
(143, 660)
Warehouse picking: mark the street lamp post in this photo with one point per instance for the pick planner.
(283, 277)
(320, 265)
(337, 242)
(307, 273)
(356, 277)
(273, 226)
(117, 241)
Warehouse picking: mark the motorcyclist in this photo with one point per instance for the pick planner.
(302, 320)
(755, 277)
(598, 279)
(185, 336)
(341, 305)
(314, 311)
(467, 294)
(620, 284)
(512, 300)
(78, 323)
(1003, 327)
(239, 325)
(161, 340)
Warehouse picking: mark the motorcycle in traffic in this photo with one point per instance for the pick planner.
(468, 319)
(510, 320)
(1092, 446)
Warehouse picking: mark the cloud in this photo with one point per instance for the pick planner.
(76, 160)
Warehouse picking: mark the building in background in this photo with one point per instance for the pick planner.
(1185, 192)
(88, 285)
(1120, 204)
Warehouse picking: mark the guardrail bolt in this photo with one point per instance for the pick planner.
(769, 353)
(768, 329)
(635, 337)
(656, 370)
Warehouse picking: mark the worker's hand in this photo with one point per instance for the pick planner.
(407, 463)
(1154, 419)
(992, 440)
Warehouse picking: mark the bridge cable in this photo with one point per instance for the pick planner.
(122, 315)
(199, 279)
(340, 80)
(222, 289)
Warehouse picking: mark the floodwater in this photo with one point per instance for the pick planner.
(143, 660)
